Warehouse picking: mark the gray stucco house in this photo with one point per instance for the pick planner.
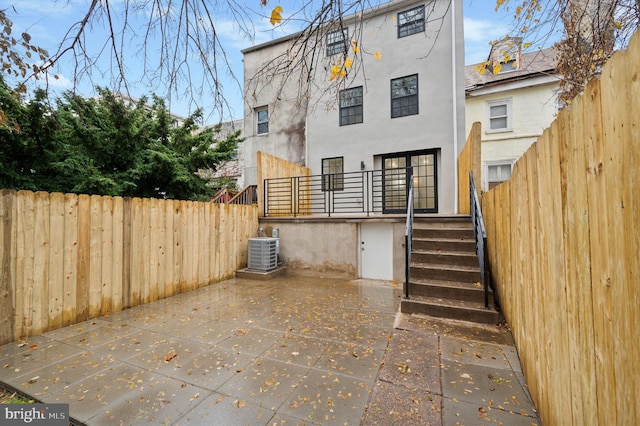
(380, 89)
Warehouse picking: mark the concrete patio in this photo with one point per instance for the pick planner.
(291, 350)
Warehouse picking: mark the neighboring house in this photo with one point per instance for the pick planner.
(228, 173)
(387, 91)
(515, 100)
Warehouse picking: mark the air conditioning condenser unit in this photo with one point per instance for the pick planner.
(263, 254)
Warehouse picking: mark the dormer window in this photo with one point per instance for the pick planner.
(505, 55)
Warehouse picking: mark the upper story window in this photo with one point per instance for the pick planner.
(262, 120)
(404, 96)
(337, 41)
(499, 115)
(332, 174)
(351, 106)
(411, 21)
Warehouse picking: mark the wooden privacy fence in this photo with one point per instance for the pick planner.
(67, 258)
(270, 167)
(564, 248)
(469, 161)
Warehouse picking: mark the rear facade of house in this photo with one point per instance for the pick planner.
(384, 90)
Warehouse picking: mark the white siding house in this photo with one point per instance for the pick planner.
(385, 88)
(514, 101)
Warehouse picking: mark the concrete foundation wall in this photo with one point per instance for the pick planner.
(329, 247)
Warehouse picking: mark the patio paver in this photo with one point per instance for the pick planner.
(293, 350)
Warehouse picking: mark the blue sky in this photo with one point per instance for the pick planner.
(46, 21)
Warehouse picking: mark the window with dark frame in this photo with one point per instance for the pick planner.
(351, 106)
(332, 174)
(411, 21)
(404, 96)
(337, 41)
(262, 118)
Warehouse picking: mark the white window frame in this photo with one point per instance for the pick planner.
(509, 115)
(258, 122)
(485, 171)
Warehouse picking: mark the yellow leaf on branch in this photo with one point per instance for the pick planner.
(377, 55)
(348, 63)
(276, 15)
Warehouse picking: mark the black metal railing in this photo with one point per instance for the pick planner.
(408, 235)
(373, 191)
(481, 237)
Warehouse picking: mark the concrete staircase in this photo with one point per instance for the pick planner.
(444, 278)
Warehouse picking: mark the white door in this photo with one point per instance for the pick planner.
(376, 251)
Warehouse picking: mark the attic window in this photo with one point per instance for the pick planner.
(505, 56)
(411, 21)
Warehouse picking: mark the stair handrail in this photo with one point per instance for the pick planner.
(408, 234)
(480, 234)
(247, 196)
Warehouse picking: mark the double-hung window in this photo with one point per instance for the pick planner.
(404, 96)
(262, 120)
(496, 173)
(351, 106)
(499, 115)
(411, 21)
(332, 174)
(337, 41)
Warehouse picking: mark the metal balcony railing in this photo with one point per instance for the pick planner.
(365, 192)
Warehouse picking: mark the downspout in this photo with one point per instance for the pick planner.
(455, 106)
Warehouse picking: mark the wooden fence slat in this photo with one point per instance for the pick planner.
(71, 250)
(56, 261)
(84, 243)
(8, 284)
(95, 256)
(117, 286)
(24, 265)
(154, 249)
(168, 248)
(137, 251)
(106, 255)
(145, 289)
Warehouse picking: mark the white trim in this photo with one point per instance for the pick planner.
(485, 170)
(509, 115)
(455, 105)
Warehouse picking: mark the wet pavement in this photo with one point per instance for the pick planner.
(290, 350)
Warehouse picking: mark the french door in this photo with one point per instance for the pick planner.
(425, 182)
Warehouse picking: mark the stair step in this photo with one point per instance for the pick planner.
(452, 233)
(445, 258)
(449, 290)
(467, 274)
(466, 245)
(447, 308)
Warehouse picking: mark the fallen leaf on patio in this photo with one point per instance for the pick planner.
(32, 347)
(34, 379)
(242, 403)
(294, 404)
(295, 353)
(194, 397)
(171, 355)
(465, 376)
